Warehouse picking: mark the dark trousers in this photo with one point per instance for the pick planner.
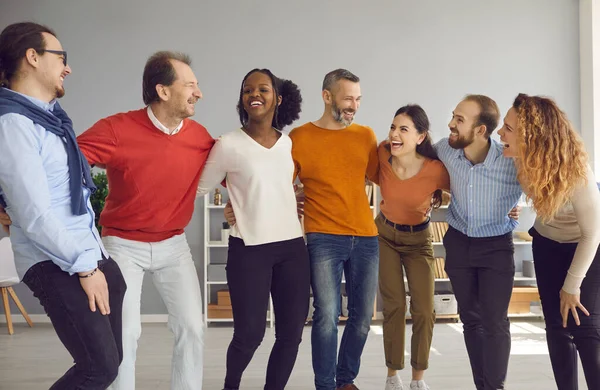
(92, 339)
(481, 271)
(281, 269)
(552, 261)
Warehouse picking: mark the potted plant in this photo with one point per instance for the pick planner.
(97, 199)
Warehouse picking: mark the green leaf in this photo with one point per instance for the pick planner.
(98, 198)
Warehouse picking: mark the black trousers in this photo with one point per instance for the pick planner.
(281, 269)
(552, 261)
(92, 339)
(482, 271)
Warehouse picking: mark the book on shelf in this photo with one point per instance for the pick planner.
(438, 230)
(438, 268)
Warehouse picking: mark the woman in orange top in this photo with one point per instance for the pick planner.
(411, 179)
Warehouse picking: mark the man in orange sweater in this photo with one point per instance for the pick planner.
(154, 158)
(332, 156)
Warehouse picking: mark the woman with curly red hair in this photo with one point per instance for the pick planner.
(553, 170)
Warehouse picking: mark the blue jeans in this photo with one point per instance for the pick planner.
(358, 259)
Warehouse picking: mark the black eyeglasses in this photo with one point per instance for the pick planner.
(59, 53)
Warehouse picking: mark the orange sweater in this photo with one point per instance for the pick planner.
(332, 165)
(406, 202)
(152, 176)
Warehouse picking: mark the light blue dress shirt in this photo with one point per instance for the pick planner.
(34, 182)
(482, 194)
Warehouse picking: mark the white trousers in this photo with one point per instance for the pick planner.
(174, 275)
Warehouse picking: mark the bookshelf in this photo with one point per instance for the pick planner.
(523, 251)
(217, 306)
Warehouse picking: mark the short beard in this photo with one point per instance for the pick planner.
(338, 115)
(462, 141)
(60, 92)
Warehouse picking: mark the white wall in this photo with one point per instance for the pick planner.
(589, 49)
(430, 52)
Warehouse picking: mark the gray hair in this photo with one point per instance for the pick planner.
(334, 76)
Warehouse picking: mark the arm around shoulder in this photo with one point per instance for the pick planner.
(98, 143)
(219, 162)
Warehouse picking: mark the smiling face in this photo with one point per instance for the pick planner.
(51, 69)
(258, 96)
(343, 101)
(463, 123)
(508, 134)
(404, 136)
(183, 94)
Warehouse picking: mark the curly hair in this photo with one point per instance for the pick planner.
(291, 100)
(552, 161)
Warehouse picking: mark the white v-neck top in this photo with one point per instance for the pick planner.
(260, 186)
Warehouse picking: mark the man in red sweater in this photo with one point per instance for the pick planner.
(154, 157)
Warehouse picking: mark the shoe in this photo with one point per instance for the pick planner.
(394, 383)
(418, 385)
(349, 386)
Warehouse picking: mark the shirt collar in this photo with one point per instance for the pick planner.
(493, 153)
(491, 156)
(46, 106)
(159, 125)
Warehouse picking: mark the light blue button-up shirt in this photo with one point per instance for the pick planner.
(34, 182)
(482, 194)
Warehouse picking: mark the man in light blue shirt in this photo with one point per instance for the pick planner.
(479, 246)
(45, 184)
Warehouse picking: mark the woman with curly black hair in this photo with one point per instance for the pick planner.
(267, 253)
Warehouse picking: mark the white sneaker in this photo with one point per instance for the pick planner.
(394, 383)
(418, 385)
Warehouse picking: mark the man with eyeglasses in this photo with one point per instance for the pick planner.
(61, 53)
(45, 185)
(148, 207)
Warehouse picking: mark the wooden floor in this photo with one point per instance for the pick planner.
(34, 358)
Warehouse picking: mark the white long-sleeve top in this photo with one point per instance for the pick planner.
(577, 222)
(260, 186)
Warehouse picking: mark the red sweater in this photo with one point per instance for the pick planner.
(152, 176)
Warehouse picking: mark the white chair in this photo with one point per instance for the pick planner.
(8, 278)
